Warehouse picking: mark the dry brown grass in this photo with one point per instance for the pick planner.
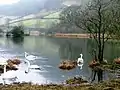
(117, 60)
(107, 85)
(11, 65)
(67, 65)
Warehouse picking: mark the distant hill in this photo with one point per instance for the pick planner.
(43, 23)
(48, 5)
(25, 7)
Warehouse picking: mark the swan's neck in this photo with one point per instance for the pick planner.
(81, 55)
(28, 66)
(4, 68)
(28, 63)
(26, 54)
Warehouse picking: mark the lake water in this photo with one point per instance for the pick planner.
(55, 50)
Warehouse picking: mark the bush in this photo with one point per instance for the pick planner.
(17, 31)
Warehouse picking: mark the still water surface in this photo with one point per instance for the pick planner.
(55, 50)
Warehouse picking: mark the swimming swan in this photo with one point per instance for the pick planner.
(31, 67)
(80, 60)
(30, 57)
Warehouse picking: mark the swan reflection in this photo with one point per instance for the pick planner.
(80, 66)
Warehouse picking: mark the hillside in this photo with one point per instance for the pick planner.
(43, 23)
(26, 7)
(49, 23)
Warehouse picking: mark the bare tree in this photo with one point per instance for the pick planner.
(98, 18)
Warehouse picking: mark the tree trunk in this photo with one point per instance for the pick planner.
(93, 75)
(100, 75)
(103, 44)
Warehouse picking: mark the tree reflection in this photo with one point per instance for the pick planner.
(65, 51)
(18, 40)
(111, 52)
(71, 49)
(112, 49)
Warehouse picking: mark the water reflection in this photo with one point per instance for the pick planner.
(71, 49)
(112, 49)
(80, 66)
(23, 77)
(18, 40)
(55, 50)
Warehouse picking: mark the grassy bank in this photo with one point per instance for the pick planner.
(71, 35)
(106, 85)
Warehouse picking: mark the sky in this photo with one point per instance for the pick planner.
(8, 2)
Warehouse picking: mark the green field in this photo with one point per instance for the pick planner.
(43, 23)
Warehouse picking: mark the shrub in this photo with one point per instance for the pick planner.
(17, 31)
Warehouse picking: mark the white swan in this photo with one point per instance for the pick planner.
(80, 60)
(30, 57)
(31, 67)
(27, 70)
